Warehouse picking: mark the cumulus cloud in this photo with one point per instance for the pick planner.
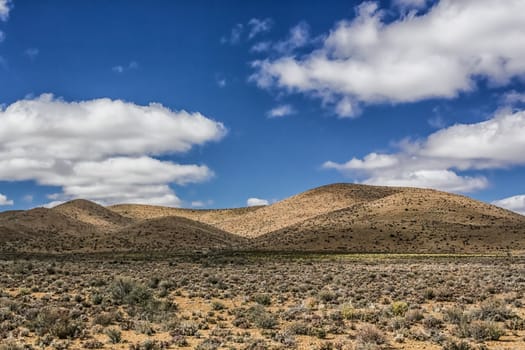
(251, 202)
(5, 8)
(102, 149)
(5, 201)
(437, 54)
(407, 5)
(437, 161)
(514, 203)
(513, 97)
(258, 26)
(281, 111)
(298, 37)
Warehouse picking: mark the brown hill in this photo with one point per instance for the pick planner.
(93, 214)
(339, 217)
(209, 216)
(409, 220)
(171, 233)
(42, 229)
(256, 221)
(303, 206)
(84, 226)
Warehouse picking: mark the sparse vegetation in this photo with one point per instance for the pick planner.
(223, 301)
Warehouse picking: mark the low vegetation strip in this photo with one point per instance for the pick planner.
(247, 301)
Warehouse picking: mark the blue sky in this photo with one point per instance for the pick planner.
(211, 103)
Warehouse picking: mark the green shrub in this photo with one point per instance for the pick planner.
(399, 308)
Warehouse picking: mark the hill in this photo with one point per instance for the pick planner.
(173, 234)
(208, 216)
(338, 217)
(407, 221)
(43, 230)
(93, 214)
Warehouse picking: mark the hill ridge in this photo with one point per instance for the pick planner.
(334, 217)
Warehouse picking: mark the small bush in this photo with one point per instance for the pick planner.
(479, 331)
(453, 345)
(399, 308)
(126, 291)
(262, 299)
(370, 334)
(260, 317)
(114, 335)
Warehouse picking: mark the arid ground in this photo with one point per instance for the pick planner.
(262, 301)
(314, 271)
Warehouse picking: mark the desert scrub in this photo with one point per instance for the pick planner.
(399, 308)
(327, 296)
(370, 334)
(454, 345)
(262, 299)
(125, 291)
(209, 344)
(12, 345)
(254, 316)
(56, 322)
(217, 306)
(494, 310)
(114, 335)
(479, 331)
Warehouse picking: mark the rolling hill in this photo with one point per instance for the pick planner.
(409, 221)
(337, 217)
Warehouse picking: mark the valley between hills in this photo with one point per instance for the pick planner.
(346, 218)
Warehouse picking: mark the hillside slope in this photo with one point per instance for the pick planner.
(409, 221)
(338, 217)
(43, 230)
(93, 214)
(171, 233)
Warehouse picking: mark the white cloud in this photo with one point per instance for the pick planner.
(5, 8)
(53, 204)
(281, 111)
(298, 37)
(102, 149)
(436, 161)
(370, 162)
(261, 46)
(513, 97)
(28, 198)
(251, 202)
(5, 201)
(235, 35)
(201, 204)
(121, 69)
(514, 203)
(438, 54)
(258, 26)
(410, 4)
